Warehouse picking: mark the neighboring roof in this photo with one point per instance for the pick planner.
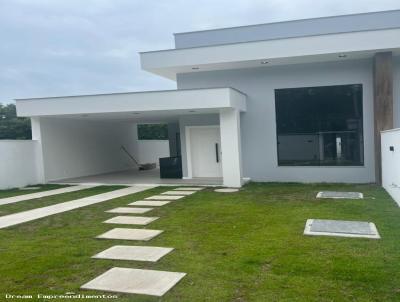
(290, 29)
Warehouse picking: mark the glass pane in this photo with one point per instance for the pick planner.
(152, 131)
(320, 126)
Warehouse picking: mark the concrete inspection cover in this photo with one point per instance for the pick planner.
(135, 281)
(341, 228)
(140, 220)
(340, 195)
(125, 210)
(134, 253)
(130, 234)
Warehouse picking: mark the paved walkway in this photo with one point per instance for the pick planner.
(21, 217)
(23, 197)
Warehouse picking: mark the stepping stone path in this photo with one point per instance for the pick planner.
(125, 210)
(179, 192)
(341, 228)
(226, 190)
(151, 203)
(135, 281)
(164, 197)
(138, 281)
(134, 253)
(130, 234)
(340, 195)
(131, 220)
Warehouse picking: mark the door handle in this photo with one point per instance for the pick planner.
(216, 153)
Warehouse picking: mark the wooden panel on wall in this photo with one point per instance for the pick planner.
(383, 103)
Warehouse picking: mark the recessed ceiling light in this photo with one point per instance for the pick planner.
(342, 55)
(264, 62)
(192, 110)
(135, 112)
(195, 68)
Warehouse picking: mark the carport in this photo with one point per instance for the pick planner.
(81, 137)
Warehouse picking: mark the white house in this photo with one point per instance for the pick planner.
(301, 100)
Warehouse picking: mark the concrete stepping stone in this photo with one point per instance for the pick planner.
(340, 195)
(140, 220)
(341, 228)
(130, 234)
(164, 197)
(135, 281)
(134, 253)
(190, 188)
(125, 210)
(178, 192)
(149, 203)
(226, 190)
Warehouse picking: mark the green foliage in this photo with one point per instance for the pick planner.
(11, 126)
(153, 131)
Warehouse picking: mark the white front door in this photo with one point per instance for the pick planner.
(205, 151)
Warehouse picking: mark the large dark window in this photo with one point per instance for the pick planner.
(152, 131)
(320, 126)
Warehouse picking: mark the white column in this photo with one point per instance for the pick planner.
(37, 136)
(231, 147)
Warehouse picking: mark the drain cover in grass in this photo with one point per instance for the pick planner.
(135, 281)
(340, 195)
(341, 228)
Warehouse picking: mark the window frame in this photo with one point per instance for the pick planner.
(362, 152)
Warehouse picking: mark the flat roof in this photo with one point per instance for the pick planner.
(290, 29)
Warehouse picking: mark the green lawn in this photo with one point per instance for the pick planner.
(246, 246)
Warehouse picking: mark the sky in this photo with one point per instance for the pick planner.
(70, 47)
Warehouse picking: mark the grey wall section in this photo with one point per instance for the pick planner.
(396, 91)
(73, 148)
(258, 126)
(290, 29)
(193, 120)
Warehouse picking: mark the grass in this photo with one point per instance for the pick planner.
(46, 201)
(246, 246)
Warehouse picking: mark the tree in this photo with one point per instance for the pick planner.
(11, 126)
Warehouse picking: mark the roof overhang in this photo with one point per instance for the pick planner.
(150, 102)
(320, 48)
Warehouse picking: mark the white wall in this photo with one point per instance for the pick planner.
(18, 163)
(149, 151)
(73, 147)
(391, 163)
(258, 123)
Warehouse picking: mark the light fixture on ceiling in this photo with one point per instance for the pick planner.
(135, 112)
(342, 55)
(195, 68)
(192, 111)
(264, 62)
(85, 115)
